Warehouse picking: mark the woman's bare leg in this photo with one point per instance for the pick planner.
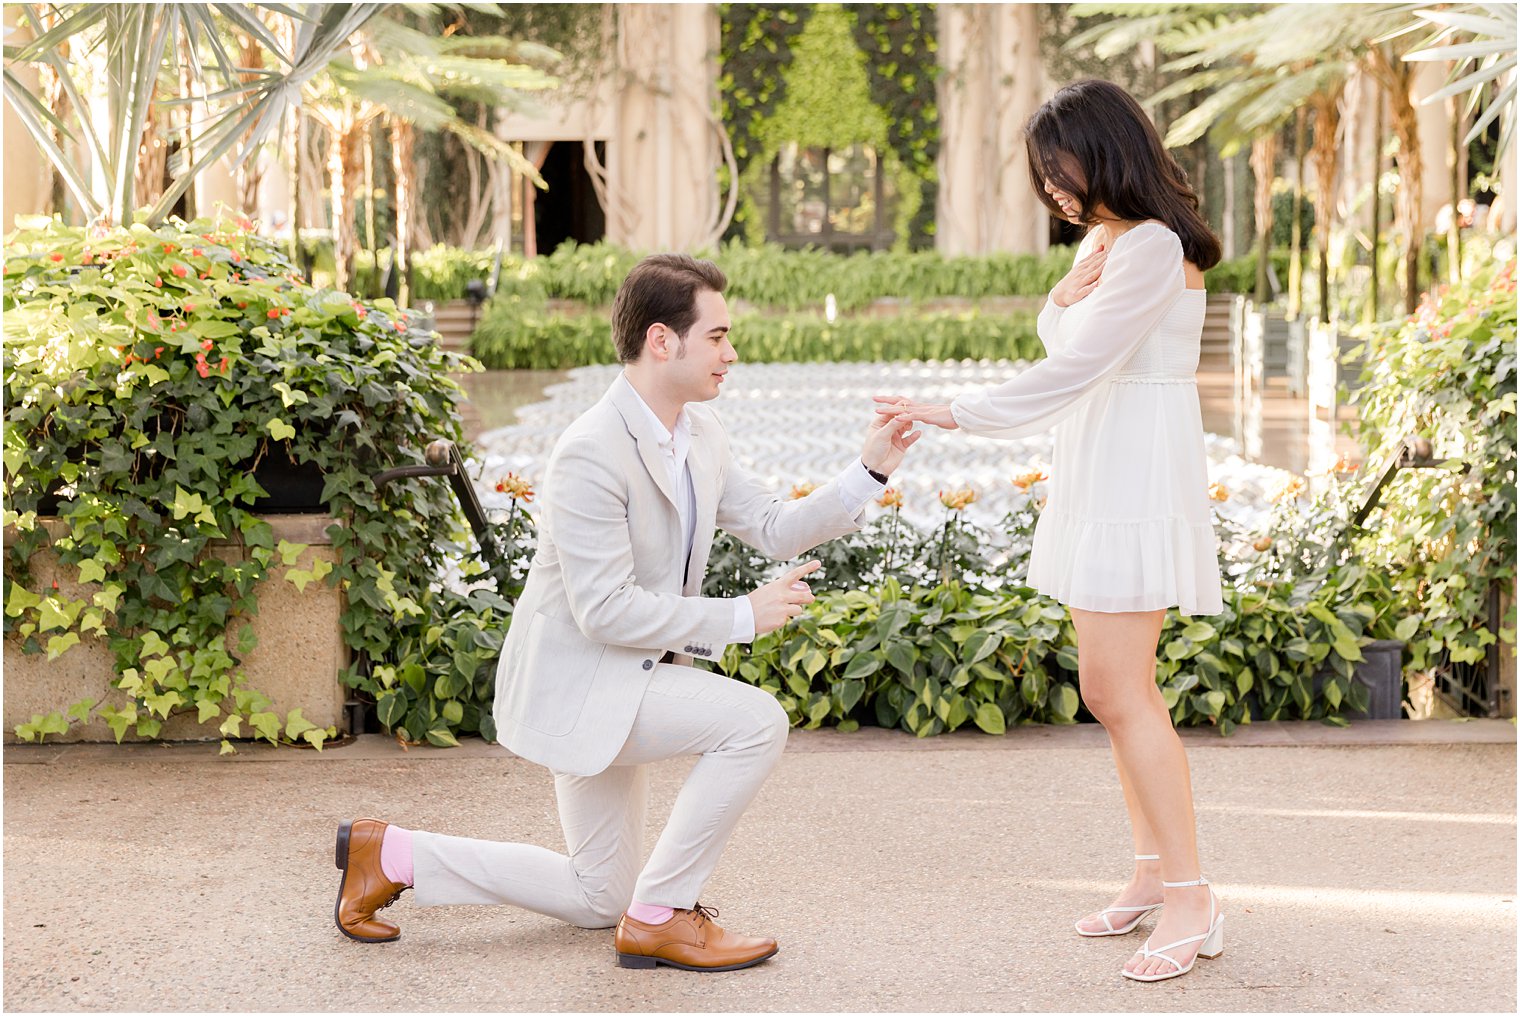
(1116, 659)
(1144, 886)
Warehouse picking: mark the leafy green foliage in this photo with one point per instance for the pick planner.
(933, 658)
(900, 43)
(834, 76)
(149, 373)
(1447, 376)
(438, 273)
(509, 336)
(772, 278)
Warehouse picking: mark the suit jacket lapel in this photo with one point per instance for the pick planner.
(704, 484)
(624, 398)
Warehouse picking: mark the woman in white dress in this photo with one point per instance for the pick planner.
(1126, 531)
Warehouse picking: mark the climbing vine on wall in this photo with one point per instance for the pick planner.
(758, 48)
(901, 48)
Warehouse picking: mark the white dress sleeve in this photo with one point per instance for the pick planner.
(1050, 315)
(1142, 279)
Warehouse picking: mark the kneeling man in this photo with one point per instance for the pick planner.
(595, 680)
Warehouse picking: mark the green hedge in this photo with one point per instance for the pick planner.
(438, 273)
(930, 659)
(512, 337)
(768, 276)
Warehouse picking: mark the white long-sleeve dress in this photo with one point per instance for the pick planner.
(1127, 525)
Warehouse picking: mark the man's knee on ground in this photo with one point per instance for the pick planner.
(602, 908)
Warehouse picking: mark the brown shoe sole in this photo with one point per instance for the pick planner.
(344, 828)
(636, 962)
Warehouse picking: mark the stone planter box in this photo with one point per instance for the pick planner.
(295, 664)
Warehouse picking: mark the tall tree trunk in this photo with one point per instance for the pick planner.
(345, 169)
(1296, 260)
(295, 147)
(404, 169)
(1376, 288)
(250, 172)
(369, 193)
(1227, 238)
(1263, 164)
(1327, 117)
(1454, 229)
(1397, 79)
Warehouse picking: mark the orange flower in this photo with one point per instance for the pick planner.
(802, 490)
(890, 498)
(1218, 492)
(56, 256)
(180, 270)
(1263, 544)
(1291, 489)
(957, 500)
(1026, 480)
(515, 487)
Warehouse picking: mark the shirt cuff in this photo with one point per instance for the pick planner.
(744, 621)
(856, 487)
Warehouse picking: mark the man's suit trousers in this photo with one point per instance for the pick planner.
(738, 730)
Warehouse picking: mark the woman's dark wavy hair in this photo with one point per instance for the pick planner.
(1123, 164)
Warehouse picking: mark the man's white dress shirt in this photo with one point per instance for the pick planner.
(856, 487)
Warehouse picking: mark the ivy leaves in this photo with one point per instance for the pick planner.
(153, 377)
(1447, 535)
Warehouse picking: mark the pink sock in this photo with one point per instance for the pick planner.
(396, 855)
(648, 914)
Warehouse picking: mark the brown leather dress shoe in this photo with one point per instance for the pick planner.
(688, 941)
(364, 888)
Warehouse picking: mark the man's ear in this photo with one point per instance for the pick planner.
(657, 340)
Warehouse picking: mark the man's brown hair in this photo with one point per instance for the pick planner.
(661, 289)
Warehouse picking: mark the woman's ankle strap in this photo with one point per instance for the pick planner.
(1183, 885)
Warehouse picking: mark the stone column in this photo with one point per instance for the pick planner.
(663, 153)
(26, 169)
(992, 80)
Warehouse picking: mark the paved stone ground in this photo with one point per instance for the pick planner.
(796, 422)
(1371, 869)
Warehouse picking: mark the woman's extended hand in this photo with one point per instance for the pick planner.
(900, 407)
(1081, 280)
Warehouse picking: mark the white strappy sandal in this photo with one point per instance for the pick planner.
(1141, 913)
(1212, 940)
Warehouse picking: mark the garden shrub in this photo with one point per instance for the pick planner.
(149, 373)
(1446, 376)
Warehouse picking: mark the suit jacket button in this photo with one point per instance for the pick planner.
(648, 664)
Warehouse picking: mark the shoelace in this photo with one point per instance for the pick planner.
(393, 899)
(704, 914)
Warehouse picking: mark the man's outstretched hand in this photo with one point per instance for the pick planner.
(782, 598)
(887, 441)
(898, 408)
